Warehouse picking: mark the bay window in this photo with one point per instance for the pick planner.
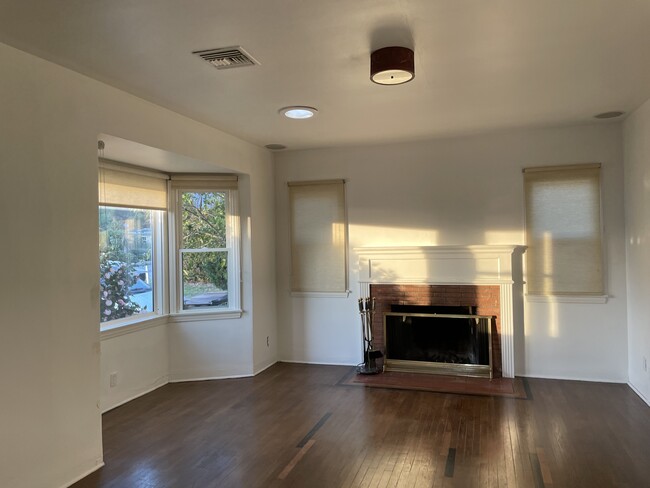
(139, 277)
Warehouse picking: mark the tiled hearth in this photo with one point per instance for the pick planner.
(479, 276)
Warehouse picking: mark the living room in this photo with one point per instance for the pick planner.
(431, 188)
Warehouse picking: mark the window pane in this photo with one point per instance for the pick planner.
(205, 279)
(126, 266)
(204, 220)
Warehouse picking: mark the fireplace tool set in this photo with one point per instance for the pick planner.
(370, 355)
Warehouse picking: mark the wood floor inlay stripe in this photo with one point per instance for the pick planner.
(451, 462)
(296, 459)
(314, 429)
(537, 471)
(543, 465)
(529, 394)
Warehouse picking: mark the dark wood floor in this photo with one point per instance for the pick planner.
(293, 426)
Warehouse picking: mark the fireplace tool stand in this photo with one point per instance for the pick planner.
(370, 355)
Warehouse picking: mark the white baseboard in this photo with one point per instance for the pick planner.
(641, 395)
(82, 476)
(316, 363)
(161, 382)
(209, 378)
(258, 369)
(573, 378)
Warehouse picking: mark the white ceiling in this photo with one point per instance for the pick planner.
(480, 64)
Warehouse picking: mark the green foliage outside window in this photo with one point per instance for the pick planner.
(204, 226)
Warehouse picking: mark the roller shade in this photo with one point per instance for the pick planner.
(196, 181)
(318, 236)
(563, 230)
(132, 188)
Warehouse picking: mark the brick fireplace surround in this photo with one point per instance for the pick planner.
(484, 297)
(485, 276)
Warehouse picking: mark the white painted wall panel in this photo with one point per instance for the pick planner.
(637, 215)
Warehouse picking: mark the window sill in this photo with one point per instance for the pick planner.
(567, 298)
(115, 330)
(320, 294)
(177, 318)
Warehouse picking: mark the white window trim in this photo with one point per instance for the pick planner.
(567, 298)
(233, 237)
(132, 325)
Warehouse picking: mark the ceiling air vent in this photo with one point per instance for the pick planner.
(227, 57)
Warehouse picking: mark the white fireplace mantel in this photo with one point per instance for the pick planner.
(436, 264)
(447, 265)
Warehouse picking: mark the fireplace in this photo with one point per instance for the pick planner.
(475, 281)
(461, 302)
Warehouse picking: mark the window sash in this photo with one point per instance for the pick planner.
(564, 230)
(217, 185)
(158, 229)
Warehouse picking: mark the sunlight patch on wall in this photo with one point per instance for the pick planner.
(495, 237)
(372, 235)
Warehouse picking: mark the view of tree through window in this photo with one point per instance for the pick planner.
(126, 267)
(204, 255)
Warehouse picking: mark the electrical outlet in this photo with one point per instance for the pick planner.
(267, 342)
(113, 380)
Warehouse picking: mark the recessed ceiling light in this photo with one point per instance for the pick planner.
(298, 112)
(609, 115)
(275, 147)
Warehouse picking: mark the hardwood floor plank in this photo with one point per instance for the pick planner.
(245, 433)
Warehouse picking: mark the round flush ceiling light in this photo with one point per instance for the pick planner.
(392, 65)
(609, 115)
(275, 147)
(298, 112)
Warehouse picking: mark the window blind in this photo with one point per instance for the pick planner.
(124, 186)
(563, 230)
(200, 181)
(318, 236)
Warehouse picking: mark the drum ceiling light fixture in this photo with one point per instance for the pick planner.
(392, 65)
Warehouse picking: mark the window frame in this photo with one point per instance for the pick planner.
(233, 242)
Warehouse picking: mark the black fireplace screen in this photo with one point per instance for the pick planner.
(438, 338)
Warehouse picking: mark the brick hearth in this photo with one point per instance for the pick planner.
(484, 297)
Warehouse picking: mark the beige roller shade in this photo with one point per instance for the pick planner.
(133, 188)
(318, 236)
(198, 181)
(563, 230)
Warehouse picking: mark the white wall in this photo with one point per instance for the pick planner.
(460, 191)
(140, 361)
(50, 423)
(636, 133)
